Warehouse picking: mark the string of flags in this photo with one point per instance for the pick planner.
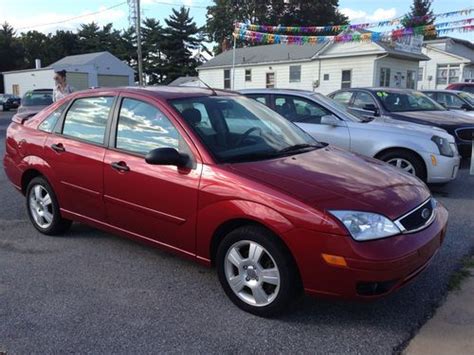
(339, 28)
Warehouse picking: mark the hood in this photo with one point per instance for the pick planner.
(437, 118)
(407, 128)
(331, 178)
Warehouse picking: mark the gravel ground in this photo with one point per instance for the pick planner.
(94, 292)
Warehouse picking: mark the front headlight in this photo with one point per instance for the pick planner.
(443, 146)
(365, 225)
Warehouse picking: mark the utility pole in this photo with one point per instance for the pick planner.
(139, 45)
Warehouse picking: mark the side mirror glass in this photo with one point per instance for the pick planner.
(166, 156)
(372, 108)
(330, 120)
(466, 107)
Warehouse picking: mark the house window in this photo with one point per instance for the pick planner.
(447, 74)
(346, 79)
(411, 79)
(326, 77)
(385, 77)
(420, 74)
(227, 79)
(295, 73)
(270, 81)
(248, 74)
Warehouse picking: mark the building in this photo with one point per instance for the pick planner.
(323, 67)
(451, 61)
(189, 81)
(83, 71)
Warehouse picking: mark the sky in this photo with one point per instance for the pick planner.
(35, 14)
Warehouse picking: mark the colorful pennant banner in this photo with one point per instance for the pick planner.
(339, 28)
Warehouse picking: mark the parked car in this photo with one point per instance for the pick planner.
(468, 87)
(275, 211)
(36, 100)
(8, 101)
(426, 152)
(461, 101)
(411, 106)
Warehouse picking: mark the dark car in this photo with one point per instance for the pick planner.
(468, 87)
(8, 101)
(223, 180)
(36, 100)
(453, 100)
(408, 105)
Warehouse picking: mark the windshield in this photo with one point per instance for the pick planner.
(468, 97)
(338, 108)
(407, 101)
(237, 129)
(39, 98)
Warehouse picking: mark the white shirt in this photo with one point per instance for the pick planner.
(58, 94)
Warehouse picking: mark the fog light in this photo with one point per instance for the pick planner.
(434, 162)
(334, 260)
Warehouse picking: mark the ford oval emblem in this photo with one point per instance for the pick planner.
(425, 214)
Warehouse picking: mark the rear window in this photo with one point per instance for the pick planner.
(40, 98)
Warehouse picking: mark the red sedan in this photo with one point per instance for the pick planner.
(223, 180)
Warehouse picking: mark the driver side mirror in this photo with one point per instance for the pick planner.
(330, 120)
(466, 107)
(166, 156)
(372, 108)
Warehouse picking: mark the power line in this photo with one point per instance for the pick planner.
(73, 18)
(174, 5)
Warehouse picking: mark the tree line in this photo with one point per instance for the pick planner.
(176, 47)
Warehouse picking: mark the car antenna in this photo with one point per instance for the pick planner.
(214, 93)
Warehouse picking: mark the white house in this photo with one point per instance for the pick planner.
(83, 71)
(321, 67)
(452, 60)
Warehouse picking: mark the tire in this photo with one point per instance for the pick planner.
(43, 208)
(257, 296)
(405, 156)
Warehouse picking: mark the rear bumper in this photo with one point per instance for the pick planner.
(374, 269)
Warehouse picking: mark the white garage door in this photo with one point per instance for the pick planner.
(113, 80)
(78, 81)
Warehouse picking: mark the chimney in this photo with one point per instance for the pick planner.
(37, 63)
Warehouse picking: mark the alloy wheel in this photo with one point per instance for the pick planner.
(41, 206)
(252, 273)
(403, 164)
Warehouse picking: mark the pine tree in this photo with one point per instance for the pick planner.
(420, 15)
(179, 41)
(11, 51)
(153, 57)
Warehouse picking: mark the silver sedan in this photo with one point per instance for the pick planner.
(427, 152)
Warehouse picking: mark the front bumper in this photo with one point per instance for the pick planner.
(444, 170)
(374, 268)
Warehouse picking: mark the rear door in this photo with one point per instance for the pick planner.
(154, 201)
(76, 153)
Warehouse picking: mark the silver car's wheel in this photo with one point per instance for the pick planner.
(252, 273)
(403, 164)
(41, 206)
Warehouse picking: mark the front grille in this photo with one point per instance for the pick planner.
(465, 134)
(417, 219)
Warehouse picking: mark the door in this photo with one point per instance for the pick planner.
(308, 114)
(76, 155)
(154, 201)
(78, 81)
(112, 80)
(270, 80)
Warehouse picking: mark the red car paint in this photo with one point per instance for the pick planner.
(183, 210)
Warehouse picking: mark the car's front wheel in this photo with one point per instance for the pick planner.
(256, 271)
(43, 208)
(406, 161)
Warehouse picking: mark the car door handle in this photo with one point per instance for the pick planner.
(58, 147)
(120, 166)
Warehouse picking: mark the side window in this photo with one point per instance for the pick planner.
(297, 109)
(449, 100)
(343, 97)
(87, 119)
(431, 95)
(49, 122)
(143, 127)
(260, 98)
(363, 101)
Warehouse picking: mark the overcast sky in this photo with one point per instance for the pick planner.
(34, 14)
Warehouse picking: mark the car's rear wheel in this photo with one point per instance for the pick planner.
(43, 208)
(406, 161)
(256, 271)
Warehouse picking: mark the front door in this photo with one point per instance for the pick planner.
(270, 80)
(76, 153)
(307, 114)
(154, 201)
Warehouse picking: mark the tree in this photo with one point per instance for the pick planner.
(36, 46)
(179, 41)
(222, 15)
(153, 57)
(420, 15)
(11, 51)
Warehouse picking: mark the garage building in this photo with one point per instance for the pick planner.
(83, 71)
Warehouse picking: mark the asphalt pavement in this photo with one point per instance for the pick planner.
(93, 292)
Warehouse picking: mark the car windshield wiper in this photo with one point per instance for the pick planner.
(299, 147)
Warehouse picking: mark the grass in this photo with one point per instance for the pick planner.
(463, 273)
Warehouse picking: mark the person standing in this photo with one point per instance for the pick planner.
(61, 88)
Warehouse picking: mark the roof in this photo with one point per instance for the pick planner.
(182, 80)
(26, 70)
(265, 54)
(80, 59)
(447, 91)
(455, 40)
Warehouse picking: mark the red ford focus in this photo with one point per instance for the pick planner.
(225, 181)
